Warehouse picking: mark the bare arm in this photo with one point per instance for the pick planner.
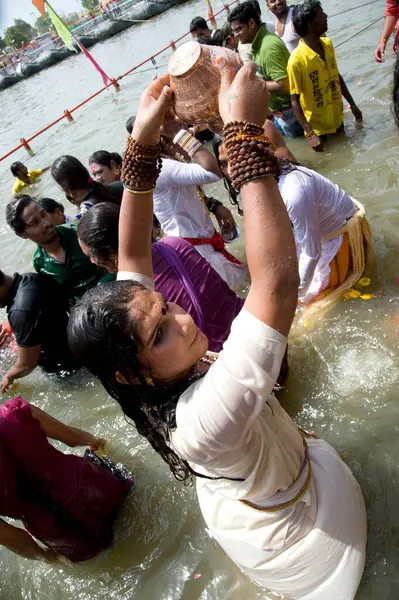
(56, 430)
(278, 87)
(135, 222)
(389, 25)
(27, 361)
(278, 142)
(21, 543)
(348, 97)
(269, 241)
(314, 140)
(299, 114)
(207, 161)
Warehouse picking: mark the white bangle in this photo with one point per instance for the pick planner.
(187, 141)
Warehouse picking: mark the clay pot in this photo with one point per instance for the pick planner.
(195, 80)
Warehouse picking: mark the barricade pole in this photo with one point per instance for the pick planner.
(25, 144)
(68, 116)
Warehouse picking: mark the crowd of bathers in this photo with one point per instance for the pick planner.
(139, 286)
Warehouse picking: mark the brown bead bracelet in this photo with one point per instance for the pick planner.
(141, 166)
(250, 153)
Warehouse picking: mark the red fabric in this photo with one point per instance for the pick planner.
(218, 243)
(391, 8)
(35, 476)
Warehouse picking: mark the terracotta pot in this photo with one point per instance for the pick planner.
(195, 80)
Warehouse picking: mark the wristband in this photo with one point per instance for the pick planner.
(212, 204)
(187, 141)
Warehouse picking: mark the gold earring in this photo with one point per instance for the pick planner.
(149, 381)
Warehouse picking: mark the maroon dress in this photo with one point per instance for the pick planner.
(65, 501)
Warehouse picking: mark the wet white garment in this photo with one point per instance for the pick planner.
(290, 36)
(315, 548)
(182, 213)
(317, 208)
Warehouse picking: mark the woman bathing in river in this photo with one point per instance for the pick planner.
(283, 506)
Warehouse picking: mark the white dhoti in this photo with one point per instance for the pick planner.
(313, 550)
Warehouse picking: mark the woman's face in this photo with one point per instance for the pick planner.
(110, 265)
(172, 343)
(104, 174)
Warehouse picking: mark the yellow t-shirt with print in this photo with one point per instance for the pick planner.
(316, 81)
(19, 185)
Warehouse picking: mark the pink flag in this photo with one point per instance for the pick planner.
(95, 64)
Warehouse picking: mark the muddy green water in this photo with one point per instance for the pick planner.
(344, 370)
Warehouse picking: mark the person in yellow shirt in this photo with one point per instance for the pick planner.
(316, 85)
(23, 177)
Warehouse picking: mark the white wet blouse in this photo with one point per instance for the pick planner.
(229, 424)
(317, 208)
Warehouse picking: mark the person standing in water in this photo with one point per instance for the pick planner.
(23, 177)
(284, 27)
(391, 16)
(271, 55)
(58, 254)
(282, 505)
(37, 311)
(56, 211)
(66, 502)
(80, 189)
(105, 167)
(316, 85)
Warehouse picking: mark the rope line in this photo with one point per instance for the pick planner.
(350, 9)
(358, 32)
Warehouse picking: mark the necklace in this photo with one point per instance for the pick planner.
(197, 372)
(209, 359)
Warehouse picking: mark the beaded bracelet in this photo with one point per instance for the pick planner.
(141, 167)
(187, 141)
(249, 152)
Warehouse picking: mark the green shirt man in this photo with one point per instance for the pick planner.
(77, 274)
(271, 55)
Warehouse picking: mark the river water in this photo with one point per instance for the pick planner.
(344, 369)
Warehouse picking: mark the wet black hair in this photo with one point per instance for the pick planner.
(71, 174)
(98, 230)
(303, 15)
(102, 334)
(15, 167)
(233, 195)
(256, 5)
(14, 210)
(395, 93)
(198, 23)
(51, 205)
(2, 277)
(105, 158)
(244, 13)
(129, 124)
(215, 40)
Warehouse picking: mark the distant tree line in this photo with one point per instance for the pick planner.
(22, 32)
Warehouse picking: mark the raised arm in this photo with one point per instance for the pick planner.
(135, 222)
(269, 241)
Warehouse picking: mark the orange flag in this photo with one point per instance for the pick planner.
(40, 7)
